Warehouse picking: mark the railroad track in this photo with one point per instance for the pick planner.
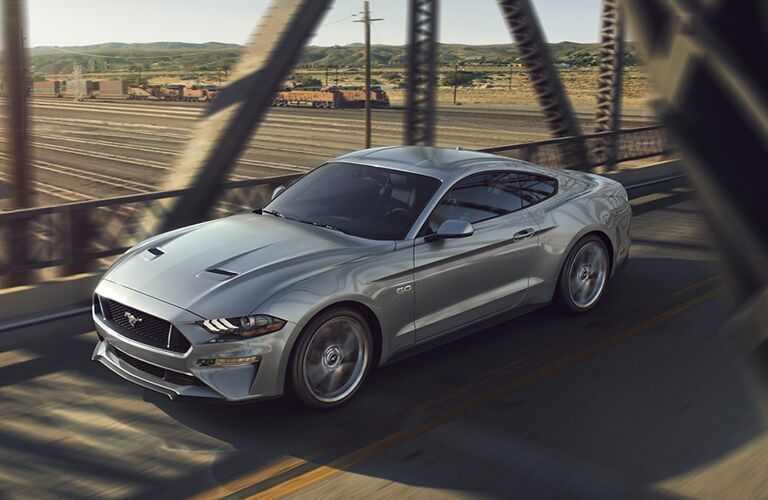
(59, 193)
(171, 152)
(319, 124)
(315, 122)
(97, 149)
(117, 184)
(264, 140)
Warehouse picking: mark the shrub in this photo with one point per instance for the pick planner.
(460, 79)
(308, 81)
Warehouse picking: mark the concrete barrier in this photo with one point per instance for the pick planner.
(655, 178)
(51, 300)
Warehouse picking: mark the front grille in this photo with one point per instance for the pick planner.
(156, 371)
(148, 330)
(140, 365)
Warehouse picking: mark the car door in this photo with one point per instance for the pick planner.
(463, 280)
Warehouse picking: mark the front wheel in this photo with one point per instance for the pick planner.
(332, 358)
(584, 275)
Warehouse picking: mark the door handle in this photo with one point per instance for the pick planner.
(525, 233)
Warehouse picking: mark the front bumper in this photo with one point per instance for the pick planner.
(179, 375)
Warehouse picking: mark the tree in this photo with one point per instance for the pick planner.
(135, 81)
(460, 79)
(308, 81)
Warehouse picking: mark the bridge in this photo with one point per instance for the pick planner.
(658, 393)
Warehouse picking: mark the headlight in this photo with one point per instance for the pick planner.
(247, 326)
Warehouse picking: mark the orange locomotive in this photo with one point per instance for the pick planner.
(329, 97)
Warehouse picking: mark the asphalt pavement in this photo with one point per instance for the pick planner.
(638, 399)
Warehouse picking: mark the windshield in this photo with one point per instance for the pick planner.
(370, 202)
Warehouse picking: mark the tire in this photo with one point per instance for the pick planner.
(584, 275)
(318, 375)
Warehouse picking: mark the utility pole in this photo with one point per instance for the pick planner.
(326, 76)
(455, 81)
(510, 76)
(367, 21)
(77, 76)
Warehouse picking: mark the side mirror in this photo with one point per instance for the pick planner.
(452, 228)
(278, 190)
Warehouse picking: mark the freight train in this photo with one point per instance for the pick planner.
(195, 93)
(87, 89)
(316, 97)
(117, 89)
(64, 89)
(330, 97)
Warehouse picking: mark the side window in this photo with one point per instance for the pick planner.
(535, 188)
(477, 198)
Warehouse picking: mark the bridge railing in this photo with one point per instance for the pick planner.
(77, 237)
(632, 144)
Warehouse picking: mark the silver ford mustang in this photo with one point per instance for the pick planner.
(362, 259)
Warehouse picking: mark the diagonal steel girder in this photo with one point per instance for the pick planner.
(609, 84)
(223, 133)
(707, 63)
(422, 71)
(524, 25)
(14, 243)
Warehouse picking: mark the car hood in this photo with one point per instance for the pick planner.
(228, 267)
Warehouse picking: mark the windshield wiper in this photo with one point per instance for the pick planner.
(273, 213)
(318, 224)
(327, 226)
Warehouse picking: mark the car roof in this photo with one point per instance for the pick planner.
(445, 164)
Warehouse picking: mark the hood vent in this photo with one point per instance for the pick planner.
(152, 253)
(218, 274)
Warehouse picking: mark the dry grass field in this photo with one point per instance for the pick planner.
(492, 86)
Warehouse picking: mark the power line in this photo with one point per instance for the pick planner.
(338, 21)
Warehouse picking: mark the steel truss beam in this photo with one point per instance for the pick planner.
(422, 70)
(16, 104)
(705, 60)
(525, 28)
(13, 243)
(610, 77)
(220, 137)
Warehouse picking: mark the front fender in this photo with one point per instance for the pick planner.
(305, 305)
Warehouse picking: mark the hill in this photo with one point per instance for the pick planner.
(215, 56)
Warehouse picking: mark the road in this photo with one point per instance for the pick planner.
(638, 399)
(88, 150)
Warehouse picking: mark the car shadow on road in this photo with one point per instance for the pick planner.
(675, 399)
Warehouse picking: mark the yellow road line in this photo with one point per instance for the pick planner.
(351, 459)
(286, 464)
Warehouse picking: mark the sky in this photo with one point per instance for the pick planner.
(85, 22)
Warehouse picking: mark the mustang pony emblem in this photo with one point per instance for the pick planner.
(133, 320)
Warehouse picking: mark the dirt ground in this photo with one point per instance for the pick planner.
(498, 86)
(492, 85)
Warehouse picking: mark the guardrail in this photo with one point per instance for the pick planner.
(631, 144)
(77, 237)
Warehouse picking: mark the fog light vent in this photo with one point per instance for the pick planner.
(248, 360)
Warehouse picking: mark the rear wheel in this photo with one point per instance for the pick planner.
(584, 275)
(332, 358)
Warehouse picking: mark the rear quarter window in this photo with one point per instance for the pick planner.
(536, 188)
